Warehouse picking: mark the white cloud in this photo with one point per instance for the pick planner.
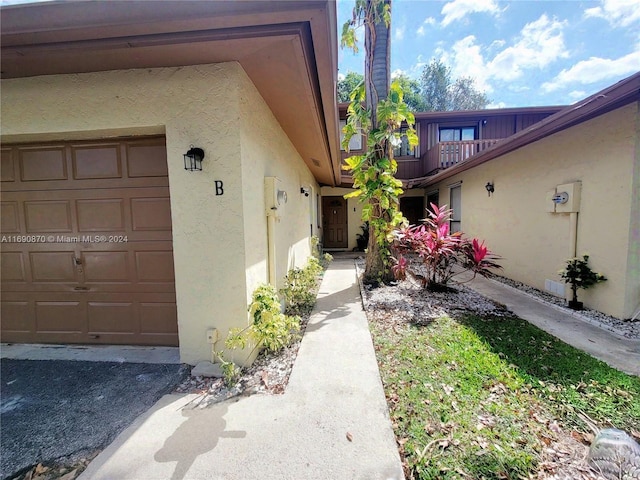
(497, 105)
(399, 33)
(593, 70)
(466, 60)
(341, 76)
(458, 9)
(616, 12)
(518, 88)
(416, 69)
(422, 30)
(540, 44)
(577, 94)
(397, 72)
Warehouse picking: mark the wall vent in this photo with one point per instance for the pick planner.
(557, 288)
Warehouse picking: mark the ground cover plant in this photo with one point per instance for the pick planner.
(477, 393)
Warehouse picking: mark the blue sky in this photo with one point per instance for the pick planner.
(521, 53)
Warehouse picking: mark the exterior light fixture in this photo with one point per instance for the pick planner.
(490, 188)
(305, 191)
(193, 159)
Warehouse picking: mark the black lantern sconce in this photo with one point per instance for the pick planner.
(193, 159)
(305, 191)
(490, 188)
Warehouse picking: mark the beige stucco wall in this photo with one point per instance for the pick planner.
(266, 151)
(602, 154)
(209, 106)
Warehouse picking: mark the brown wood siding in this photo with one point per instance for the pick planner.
(409, 168)
(528, 120)
(87, 244)
(499, 127)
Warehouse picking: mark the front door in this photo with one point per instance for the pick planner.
(334, 221)
(413, 209)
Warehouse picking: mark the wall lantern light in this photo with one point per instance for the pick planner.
(193, 159)
(305, 191)
(490, 188)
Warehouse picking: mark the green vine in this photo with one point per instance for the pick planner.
(374, 172)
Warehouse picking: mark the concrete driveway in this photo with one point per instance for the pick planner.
(59, 408)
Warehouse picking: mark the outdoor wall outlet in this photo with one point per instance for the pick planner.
(212, 335)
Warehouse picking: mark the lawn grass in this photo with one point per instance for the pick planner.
(481, 397)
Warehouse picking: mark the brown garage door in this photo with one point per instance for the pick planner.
(86, 243)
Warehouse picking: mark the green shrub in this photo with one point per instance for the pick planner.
(299, 291)
(270, 328)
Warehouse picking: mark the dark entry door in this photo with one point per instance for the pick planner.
(334, 221)
(413, 209)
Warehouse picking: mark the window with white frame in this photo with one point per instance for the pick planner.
(356, 141)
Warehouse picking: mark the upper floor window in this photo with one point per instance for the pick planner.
(457, 134)
(403, 149)
(356, 141)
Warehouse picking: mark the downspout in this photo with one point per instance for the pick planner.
(573, 234)
(271, 242)
(573, 244)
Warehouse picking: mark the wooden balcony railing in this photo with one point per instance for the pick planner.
(446, 154)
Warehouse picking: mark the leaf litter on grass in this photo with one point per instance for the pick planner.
(475, 392)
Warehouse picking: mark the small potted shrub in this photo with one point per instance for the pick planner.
(578, 274)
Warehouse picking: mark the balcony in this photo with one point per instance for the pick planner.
(446, 154)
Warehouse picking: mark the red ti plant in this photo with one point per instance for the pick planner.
(478, 258)
(439, 250)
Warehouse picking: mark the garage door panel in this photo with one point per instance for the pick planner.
(100, 269)
(138, 213)
(53, 267)
(48, 216)
(147, 160)
(42, 164)
(112, 317)
(17, 317)
(106, 266)
(12, 268)
(93, 162)
(155, 266)
(9, 217)
(103, 215)
(158, 318)
(151, 214)
(154, 318)
(59, 316)
(7, 170)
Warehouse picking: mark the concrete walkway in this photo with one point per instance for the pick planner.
(619, 352)
(331, 423)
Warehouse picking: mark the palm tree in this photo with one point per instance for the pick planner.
(373, 173)
(377, 77)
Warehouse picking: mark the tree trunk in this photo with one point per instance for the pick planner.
(377, 79)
